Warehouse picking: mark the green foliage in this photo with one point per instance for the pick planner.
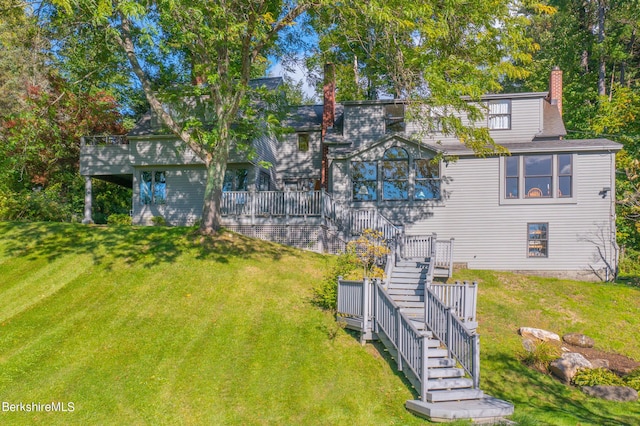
(344, 265)
(119, 219)
(370, 248)
(541, 356)
(158, 221)
(633, 379)
(596, 376)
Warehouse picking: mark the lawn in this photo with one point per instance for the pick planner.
(159, 326)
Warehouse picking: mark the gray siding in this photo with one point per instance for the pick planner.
(185, 194)
(105, 160)
(491, 235)
(363, 123)
(295, 164)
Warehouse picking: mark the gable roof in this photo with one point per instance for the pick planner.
(346, 153)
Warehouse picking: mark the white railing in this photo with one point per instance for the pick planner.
(351, 299)
(462, 344)
(372, 219)
(461, 298)
(417, 246)
(276, 203)
(444, 255)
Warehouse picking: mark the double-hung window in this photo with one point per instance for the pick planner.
(500, 114)
(153, 187)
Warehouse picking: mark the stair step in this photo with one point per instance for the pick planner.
(446, 383)
(407, 298)
(441, 362)
(433, 344)
(438, 353)
(446, 373)
(414, 285)
(454, 395)
(406, 291)
(487, 409)
(410, 304)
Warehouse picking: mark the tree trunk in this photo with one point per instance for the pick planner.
(602, 67)
(216, 164)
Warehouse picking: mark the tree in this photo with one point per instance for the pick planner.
(431, 53)
(169, 44)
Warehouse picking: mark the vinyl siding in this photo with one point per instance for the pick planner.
(105, 160)
(295, 164)
(363, 123)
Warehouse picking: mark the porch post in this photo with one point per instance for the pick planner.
(88, 200)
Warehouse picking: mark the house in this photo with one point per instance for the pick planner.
(547, 207)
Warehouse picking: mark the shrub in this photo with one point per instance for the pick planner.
(158, 221)
(346, 265)
(633, 379)
(119, 219)
(542, 355)
(370, 248)
(596, 376)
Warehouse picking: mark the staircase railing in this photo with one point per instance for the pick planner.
(460, 297)
(462, 344)
(372, 219)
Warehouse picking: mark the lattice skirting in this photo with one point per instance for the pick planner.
(307, 237)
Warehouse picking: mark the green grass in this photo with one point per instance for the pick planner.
(158, 326)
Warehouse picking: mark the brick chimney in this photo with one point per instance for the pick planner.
(328, 118)
(555, 88)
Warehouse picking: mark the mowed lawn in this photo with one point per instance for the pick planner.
(156, 326)
(159, 326)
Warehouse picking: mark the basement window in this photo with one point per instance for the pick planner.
(537, 240)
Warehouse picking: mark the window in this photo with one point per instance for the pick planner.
(512, 177)
(500, 114)
(153, 187)
(303, 142)
(427, 183)
(394, 118)
(364, 179)
(395, 174)
(565, 173)
(538, 176)
(264, 183)
(235, 180)
(537, 239)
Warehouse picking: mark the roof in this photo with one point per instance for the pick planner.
(542, 146)
(553, 125)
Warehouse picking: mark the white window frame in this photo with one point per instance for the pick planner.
(498, 118)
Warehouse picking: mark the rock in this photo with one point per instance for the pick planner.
(528, 344)
(600, 363)
(536, 333)
(579, 340)
(612, 393)
(566, 367)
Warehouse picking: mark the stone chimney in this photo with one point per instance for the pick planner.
(555, 88)
(328, 119)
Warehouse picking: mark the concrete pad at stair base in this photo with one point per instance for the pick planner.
(485, 409)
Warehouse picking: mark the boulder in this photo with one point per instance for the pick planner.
(612, 393)
(528, 344)
(539, 334)
(579, 340)
(566, 367)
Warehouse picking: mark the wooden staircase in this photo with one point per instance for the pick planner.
(449, 394)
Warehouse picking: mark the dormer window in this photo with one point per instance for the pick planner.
(303, 142)
(394, 118)
(500, 114)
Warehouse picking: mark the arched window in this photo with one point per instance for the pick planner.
(395, 174)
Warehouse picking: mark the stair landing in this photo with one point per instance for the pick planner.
(484, 410)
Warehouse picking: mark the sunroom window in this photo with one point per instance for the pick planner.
(395, 174)
(364, 178)
(153, 187)
(427, 180)
(548, 176)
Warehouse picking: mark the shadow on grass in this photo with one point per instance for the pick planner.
(515, 382)
(146, 246)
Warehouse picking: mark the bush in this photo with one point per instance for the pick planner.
(542, 355)
(345, 265)
(596, 376)
(633, 379)
(158, 221)
(119, 219)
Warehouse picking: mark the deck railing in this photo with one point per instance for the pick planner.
(460, 297)
(462, 344)
(444, 254)
(417, 246)
(277, 203)
(372, 219)
(105, 140)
